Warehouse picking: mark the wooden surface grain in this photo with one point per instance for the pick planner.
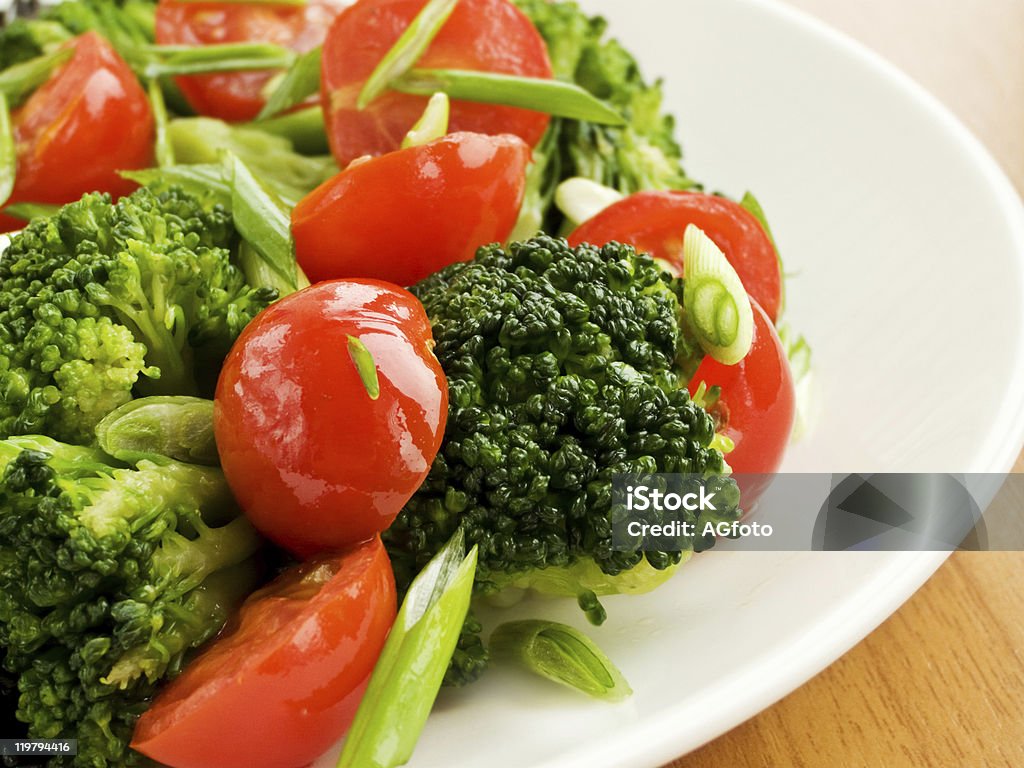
(941, 683)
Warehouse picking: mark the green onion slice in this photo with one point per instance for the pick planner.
(753, 207)
(412, 665)
(8, 152)
(582, 199)
(432, 125)
(161, 60)
(29, 211)
(717, 305)
(262, 220)
(554, 97)
(300, 81)
(407, 50)
(19, 80)
(562, 654)
(160, 428)
(363, 360)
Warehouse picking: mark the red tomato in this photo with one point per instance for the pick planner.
(654, 222)
(314, 461)
(76, 131)
(407, 214)
(758, 402)
(283, 681)
(237, 96)
(482, 35)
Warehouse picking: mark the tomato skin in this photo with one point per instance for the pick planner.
(282, 683)
(315, 462)
(76, 131)
(237, 96)
(481, 35)
(407, 214)
(655, 221)
(758, 402)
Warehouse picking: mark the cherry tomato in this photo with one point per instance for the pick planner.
(655, 222)
(757, 405)
(76, 131)
(282, 683)
(407, 214)
(481, 35)
(236, 96)
(313, 458)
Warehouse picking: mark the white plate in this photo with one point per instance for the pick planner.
(907, 241)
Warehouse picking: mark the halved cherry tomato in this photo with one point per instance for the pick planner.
(283, 681)
(407, 214)
(237, 96)
(757, 405)
(482, 35)
(76, 131)
(654, 222)
(313, 458)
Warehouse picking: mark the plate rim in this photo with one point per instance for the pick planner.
(669, 735)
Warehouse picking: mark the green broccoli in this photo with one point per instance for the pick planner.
(102, 300)
(565, 368)
(644, 154)
(109, 577)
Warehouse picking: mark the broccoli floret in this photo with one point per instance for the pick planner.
(565, 368)
(104, 299)
(109, 577)
(643, 154)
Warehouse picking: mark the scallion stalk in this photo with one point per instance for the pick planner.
(262, 221)
(300, 81)
(19, 80)
(407, 50)
(554, 97)
(164, 149)
(412, 665)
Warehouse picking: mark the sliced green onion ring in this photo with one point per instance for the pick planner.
(561, 654)
(717, 306)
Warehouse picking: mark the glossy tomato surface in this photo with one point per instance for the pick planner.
(757, 404)
(483, 35)
(407, 214)
(654, 222)
(282, 683)
(236, 96)
(76, 131)
(315, 462)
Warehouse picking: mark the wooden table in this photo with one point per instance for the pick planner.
(941, 683)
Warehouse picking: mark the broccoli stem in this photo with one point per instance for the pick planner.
(192, 623)
(213, 550)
